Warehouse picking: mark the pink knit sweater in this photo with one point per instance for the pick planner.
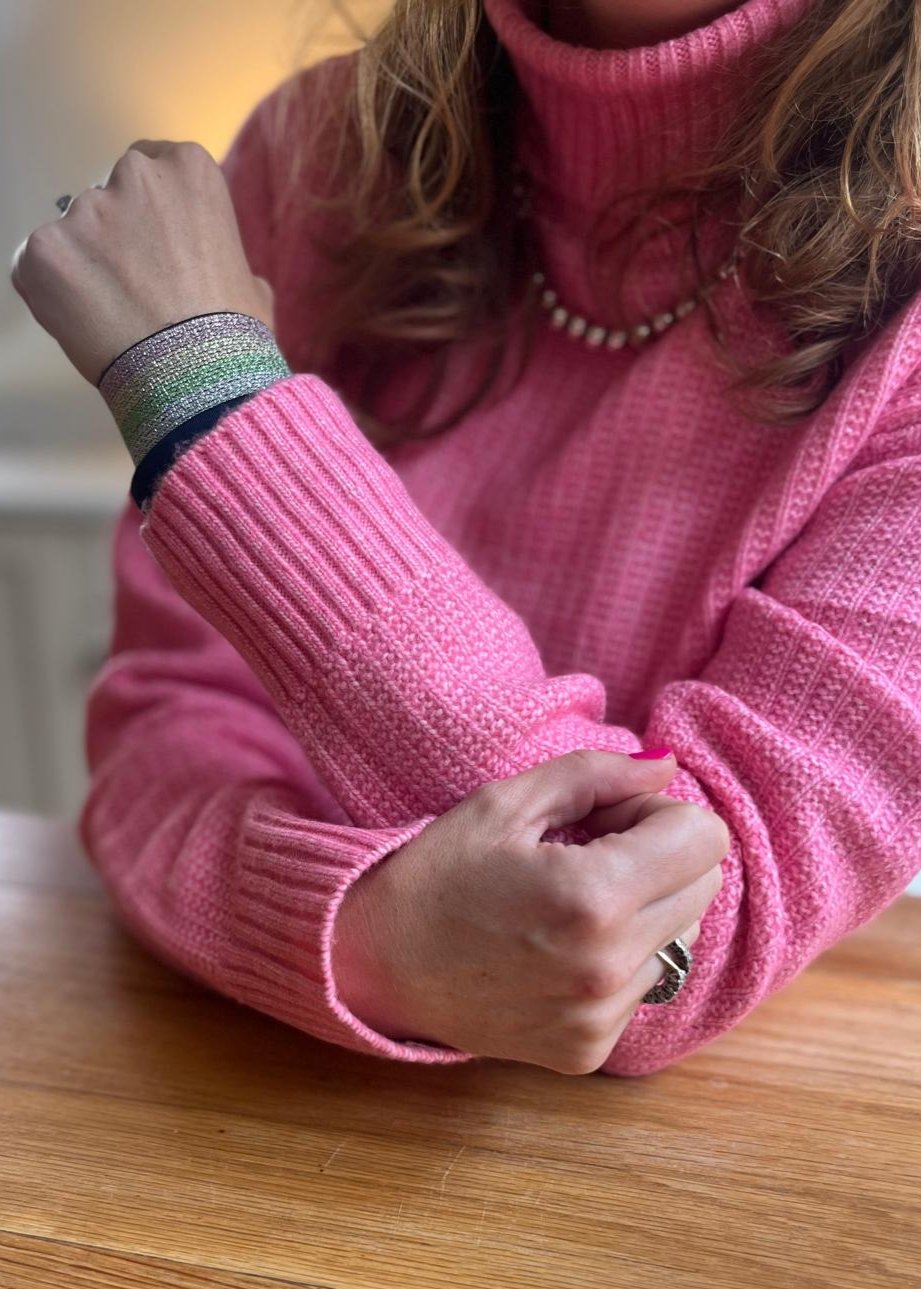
(318, 650)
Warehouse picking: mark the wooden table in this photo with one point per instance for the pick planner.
(153, 1133)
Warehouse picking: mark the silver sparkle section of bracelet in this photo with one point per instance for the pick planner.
(164, 359)
(149, 433)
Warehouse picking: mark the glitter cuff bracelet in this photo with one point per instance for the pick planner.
(184, 370)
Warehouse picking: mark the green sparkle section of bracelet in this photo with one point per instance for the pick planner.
(184, 369)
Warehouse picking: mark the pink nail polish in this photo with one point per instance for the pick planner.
(651, 754)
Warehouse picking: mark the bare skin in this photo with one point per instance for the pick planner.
(620, 24)
(480, 936)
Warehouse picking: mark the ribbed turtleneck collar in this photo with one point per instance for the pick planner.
(633, 113)
(593, 124)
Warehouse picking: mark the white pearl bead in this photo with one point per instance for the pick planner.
(595, 335)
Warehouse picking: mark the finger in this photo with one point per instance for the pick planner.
(654, 925)
(567, 788)
(623, 1006)
(647, 977)
(653, 969)
(150, 147)
(121, 168)
(666, 850)
(625, 814)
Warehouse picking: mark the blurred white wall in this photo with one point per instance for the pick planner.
(79, 81)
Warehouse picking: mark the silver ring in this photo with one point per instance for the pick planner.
(678, 960)
(63, 202)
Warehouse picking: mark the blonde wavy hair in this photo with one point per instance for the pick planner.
(821, 168)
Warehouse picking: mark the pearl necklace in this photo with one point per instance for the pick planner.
(594, 334)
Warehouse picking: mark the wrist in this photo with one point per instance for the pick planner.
(367, 936)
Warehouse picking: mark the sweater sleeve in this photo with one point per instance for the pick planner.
(216, 841)
(408, 682)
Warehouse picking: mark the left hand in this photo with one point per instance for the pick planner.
(159, 243)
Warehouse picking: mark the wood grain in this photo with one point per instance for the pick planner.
(28, 1263)
(154, 1133)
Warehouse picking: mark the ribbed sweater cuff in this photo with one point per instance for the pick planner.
(293, 878)
(186, 369)
(292, 528)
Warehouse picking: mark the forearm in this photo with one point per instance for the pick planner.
(218, 843)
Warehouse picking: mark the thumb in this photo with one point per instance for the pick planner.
(567, 788)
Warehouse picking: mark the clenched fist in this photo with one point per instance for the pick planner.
(157, 244)
(478, 935)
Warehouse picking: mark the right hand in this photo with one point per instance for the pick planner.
(479, 936)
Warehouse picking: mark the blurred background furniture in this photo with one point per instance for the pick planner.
(78, 84)
(56, 513)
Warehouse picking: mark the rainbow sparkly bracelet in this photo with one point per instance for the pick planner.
(175, 384)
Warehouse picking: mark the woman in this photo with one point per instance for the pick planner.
(593, 424)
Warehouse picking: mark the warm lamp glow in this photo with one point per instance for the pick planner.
(205, 65)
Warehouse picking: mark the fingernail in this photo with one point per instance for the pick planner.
(651, 754)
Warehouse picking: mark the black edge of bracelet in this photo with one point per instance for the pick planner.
(163, 454)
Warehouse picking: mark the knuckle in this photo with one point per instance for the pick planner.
(38, 253)
(711, 825)
(724, 837)
(487, 798)
(581, 758)
(84, 201)
(584, 1030)
(492, 814)
(706, 829)
(690, 813)
(714, 840)
(39, 242)
(577, 914)
(500, 804)
(582, 1050)
(194, 152)
(598, 981)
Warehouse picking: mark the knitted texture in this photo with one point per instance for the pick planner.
(318, 650)
(155, 463)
